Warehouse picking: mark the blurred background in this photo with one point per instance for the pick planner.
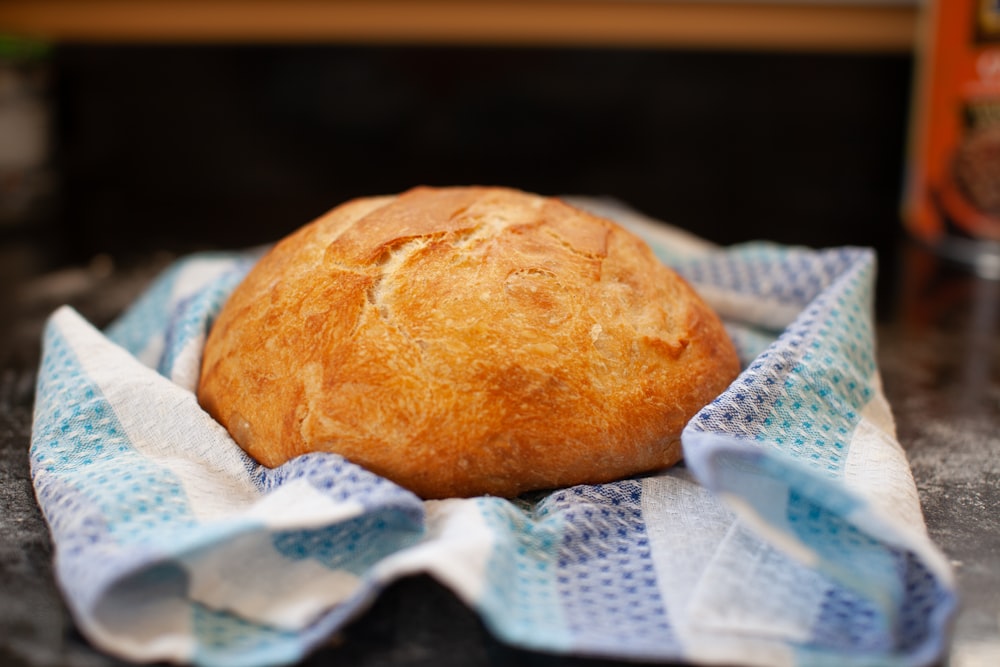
(171, 125)
(133, 131)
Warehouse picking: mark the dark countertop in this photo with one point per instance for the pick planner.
(941, 371)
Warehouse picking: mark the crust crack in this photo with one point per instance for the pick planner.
(393, 256)
(561, 240)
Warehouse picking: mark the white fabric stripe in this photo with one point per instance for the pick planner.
(286, 593)
(173, 430)
(748, 308)
(217, 486)
(684, 522)
(717, 649)
(292, 593)
(197, 273)
(876, 467)
(142, 629)
(731, 601)
(298, 505)
(187, 365)
(455, 550)
(194, 276)
(780, 538)
(191, 277)
(150, 355)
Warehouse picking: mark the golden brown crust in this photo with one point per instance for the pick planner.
(465, 341)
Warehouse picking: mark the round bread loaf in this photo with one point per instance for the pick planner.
(465, 341)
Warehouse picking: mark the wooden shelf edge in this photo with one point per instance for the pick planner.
(851, 28)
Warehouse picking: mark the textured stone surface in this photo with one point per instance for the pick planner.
(940, 361)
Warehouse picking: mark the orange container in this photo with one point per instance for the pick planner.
(953, 189)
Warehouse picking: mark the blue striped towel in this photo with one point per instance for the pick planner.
(791, 535)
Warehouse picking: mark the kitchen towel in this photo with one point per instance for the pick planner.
(791, 534)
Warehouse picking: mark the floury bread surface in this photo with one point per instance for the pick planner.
(465, 341)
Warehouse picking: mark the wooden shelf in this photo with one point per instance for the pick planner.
(664, 24)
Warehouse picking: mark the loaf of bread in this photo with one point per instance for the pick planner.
(465, 341)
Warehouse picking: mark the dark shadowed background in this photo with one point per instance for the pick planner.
(181, 146)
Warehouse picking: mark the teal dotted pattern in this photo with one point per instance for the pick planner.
(804, 394)
(147, 318)
(193, 316)
(392, 519)
(109, 508)
(848, 622)
(925, 600)
(521, 602)
(802, 397)
(342, 481)
(226, 640)
(355, 545)
(853, 555)
(605, 573)
(79, 444)
(575, 568)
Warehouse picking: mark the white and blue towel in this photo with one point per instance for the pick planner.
(791, 535)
